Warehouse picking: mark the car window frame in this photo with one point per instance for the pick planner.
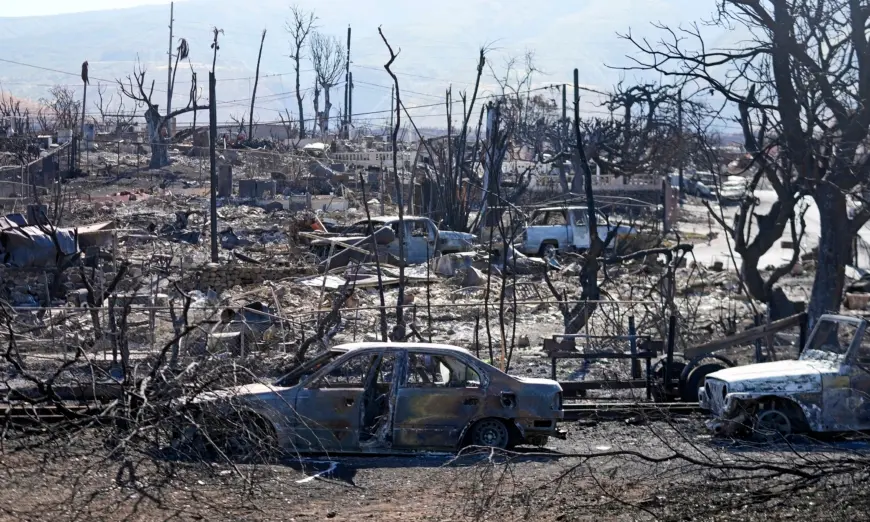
(336, 363)
(482, 375)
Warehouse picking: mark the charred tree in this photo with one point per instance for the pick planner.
(399, 331)
(256, 81)
(137, 89)
(299, 26)
(329, 59)
(810, 64)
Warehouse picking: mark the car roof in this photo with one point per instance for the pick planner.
(429, 347)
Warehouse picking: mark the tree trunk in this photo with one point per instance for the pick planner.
(159, 144)
(835, 247)
(496, 149)
(316, 110)
(327, 108)
(299, 100)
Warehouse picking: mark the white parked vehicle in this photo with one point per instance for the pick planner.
(826, 390)
(733, 190)
(555, 229)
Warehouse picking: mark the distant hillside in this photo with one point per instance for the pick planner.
(438, 45)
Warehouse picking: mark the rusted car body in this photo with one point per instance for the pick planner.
(397, 397)
(826, 390)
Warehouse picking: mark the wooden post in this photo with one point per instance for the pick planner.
(169, 59)
(152, 313)
(632, 343)
(254, 94)
(212, 133)
(758, 355)
(669, 360)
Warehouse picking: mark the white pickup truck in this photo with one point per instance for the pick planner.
(554, 229)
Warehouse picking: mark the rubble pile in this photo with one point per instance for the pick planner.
(298, 263)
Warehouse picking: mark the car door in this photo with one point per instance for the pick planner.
(439, 395)
(581, 229)
(602, 225)
(859, 383)
(329, 406)
(419, 241)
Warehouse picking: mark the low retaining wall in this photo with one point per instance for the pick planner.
(223, 277)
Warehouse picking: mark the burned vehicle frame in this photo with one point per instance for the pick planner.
(422, 240)
(826, 390)
(382, 398)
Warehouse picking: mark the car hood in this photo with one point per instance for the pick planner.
(780, 376)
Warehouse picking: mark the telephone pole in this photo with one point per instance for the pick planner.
(347, 89)
(169, 53)
(563, 129)
(212, 153)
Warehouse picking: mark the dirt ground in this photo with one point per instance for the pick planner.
(77, 480)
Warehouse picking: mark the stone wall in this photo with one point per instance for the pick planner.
(222, 277)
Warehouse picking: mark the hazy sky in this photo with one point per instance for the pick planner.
(439, 44)
(50, 7)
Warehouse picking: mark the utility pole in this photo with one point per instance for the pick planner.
(169, 53)
(577, 184)
(212, 145)
(680, 143)
(347, 89)
(563, 129)
(85, 82)
(349, 104)
(254, 94)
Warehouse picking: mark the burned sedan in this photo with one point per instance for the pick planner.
(389, 397)
(826, 390)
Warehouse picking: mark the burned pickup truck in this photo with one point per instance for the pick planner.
(422, 240)
(826, 390)
(382, 398)
(560, 229)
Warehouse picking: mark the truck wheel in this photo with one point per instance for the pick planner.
(778, 418)
(696, 379)
(771, 424)
(548, 250)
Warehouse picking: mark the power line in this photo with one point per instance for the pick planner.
(403, 90)
(413, 75)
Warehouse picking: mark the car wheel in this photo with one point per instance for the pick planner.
(771, 424)
(491, 433)
(548, 251)
(250, 438)
(697, 377)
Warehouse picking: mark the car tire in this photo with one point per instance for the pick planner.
(548, 250)
(779, 419)
(490, 433)
(250, 438)
(696, 379)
